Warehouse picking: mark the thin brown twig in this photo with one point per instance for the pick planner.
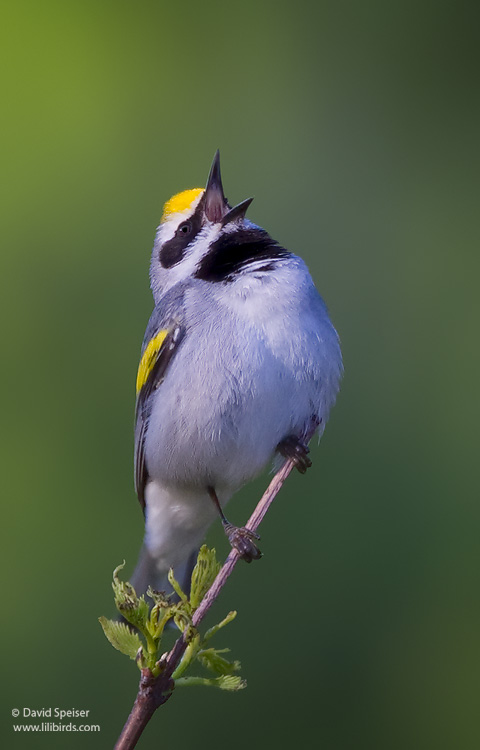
(154, 691)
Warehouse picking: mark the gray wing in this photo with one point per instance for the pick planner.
(163, 337)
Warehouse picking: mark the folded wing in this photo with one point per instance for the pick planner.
(158, 352)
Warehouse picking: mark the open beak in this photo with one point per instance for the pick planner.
(216, 206)
(237, 212)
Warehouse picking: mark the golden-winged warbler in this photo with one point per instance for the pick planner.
(239, 362)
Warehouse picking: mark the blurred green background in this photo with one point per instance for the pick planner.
(355, 127)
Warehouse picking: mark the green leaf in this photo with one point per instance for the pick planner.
(176, 586)
(190, 654)
(134, 609)
(159, 616)
(149, 619)
(160, 598)
(226, 682)
(231, 682)
(121, 637)
(211, 631)
(203, 575)
(211, 659)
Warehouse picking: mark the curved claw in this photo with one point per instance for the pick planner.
(241, 539)
(297, 451)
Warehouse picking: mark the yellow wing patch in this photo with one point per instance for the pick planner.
(149, 358)
(180, 202)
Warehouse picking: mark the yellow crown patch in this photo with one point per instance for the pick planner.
(180, 202)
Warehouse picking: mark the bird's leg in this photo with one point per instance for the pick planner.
(240, 539)
(294, 449)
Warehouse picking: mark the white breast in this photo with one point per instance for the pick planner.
(259, 358)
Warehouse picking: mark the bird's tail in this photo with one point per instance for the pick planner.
(147, 573)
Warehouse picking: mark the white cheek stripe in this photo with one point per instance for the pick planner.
(200, 247)
(193, 253)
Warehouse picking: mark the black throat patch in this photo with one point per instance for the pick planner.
(233, 253)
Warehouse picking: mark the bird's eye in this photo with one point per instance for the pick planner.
(185, 228)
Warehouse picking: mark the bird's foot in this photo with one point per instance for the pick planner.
(293, 448)
(241, 539)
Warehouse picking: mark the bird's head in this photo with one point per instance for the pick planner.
(193, 225)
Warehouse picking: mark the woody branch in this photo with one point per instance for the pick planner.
(154, 691)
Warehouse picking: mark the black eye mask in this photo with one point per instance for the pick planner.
(173, 251)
